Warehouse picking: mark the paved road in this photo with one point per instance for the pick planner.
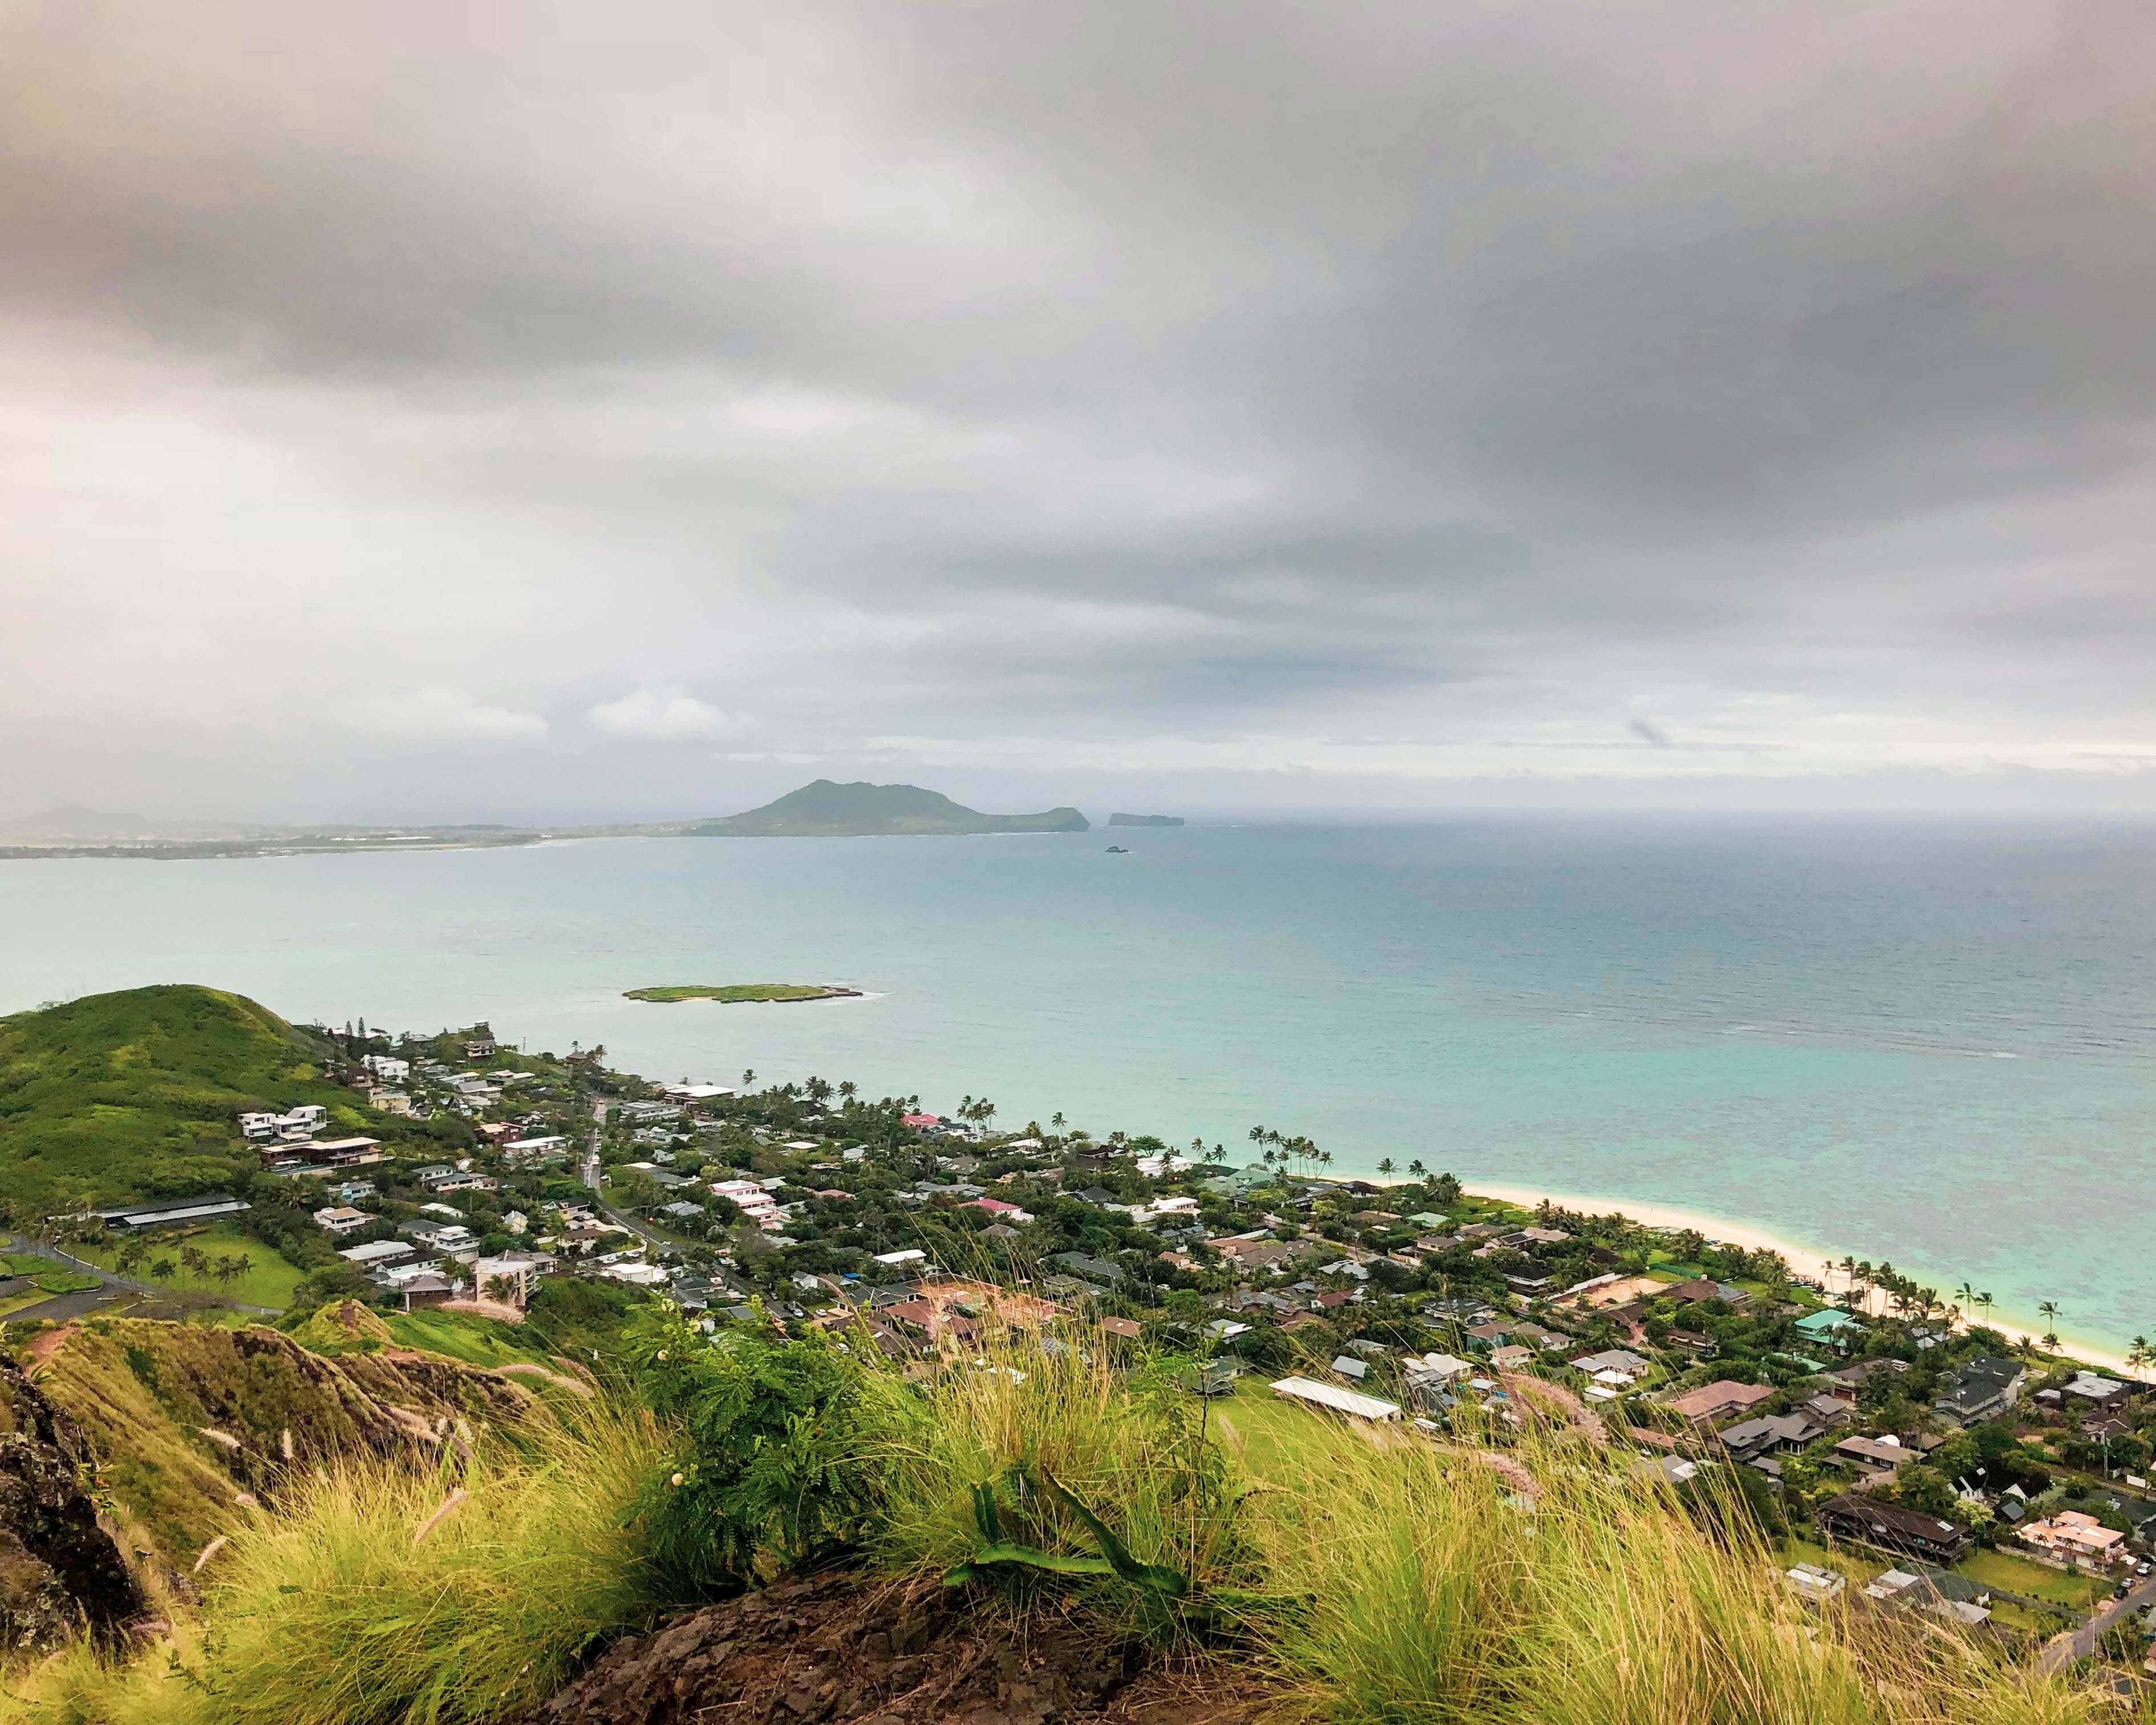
(2063, 1650)
(657, 1242)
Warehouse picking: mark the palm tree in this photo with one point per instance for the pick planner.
(242, 1266)
(1983, 1304)
(2048, 1310)
(1385, 1168)
(2139, 1355)
(162, 1270)
(1416, 1168)
(748, 1076)
(224, 1269)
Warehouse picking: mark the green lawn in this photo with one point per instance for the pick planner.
(476, 1341)
(1861, 1567)
(1275, 1440)
(1997, 1569)
(268, 1283)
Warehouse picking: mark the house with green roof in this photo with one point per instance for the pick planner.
(1827, 1324)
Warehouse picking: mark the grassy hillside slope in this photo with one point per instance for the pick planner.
(150, 1395)
(135, 1095)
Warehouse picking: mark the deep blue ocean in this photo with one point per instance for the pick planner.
(1931, 1041)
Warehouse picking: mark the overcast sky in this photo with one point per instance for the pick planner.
(513, 409)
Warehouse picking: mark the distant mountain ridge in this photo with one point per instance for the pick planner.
(825, 809)
(1145, 820)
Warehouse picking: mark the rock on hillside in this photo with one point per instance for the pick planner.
(60, 1571)
(838, 1650)
(186, 1418)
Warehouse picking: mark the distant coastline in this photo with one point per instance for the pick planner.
(1803, 1259)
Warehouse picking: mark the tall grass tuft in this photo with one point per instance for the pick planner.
(1440, 1591)
(374, 1594)
(1128, 1442)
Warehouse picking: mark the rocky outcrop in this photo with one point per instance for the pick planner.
(60, 1571)
(837, 1650)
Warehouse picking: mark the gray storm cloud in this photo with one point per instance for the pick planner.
(1372, 404)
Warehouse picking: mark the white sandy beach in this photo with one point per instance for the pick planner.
(1804, 1260)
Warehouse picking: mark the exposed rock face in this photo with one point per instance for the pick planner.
(60, 1573)
(836, 1651)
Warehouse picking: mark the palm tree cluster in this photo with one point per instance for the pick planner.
(225, 1269)
(1903, 1298)
(1291, 1155)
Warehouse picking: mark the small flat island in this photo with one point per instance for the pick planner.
(732, 993)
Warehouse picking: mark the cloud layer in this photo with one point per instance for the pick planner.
(1252, 404)
(664, 716)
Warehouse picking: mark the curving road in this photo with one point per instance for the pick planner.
(2063, 1648)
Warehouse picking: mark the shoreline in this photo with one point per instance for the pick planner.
(1804, 1260)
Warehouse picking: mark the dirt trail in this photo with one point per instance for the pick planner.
(839, 1651)
(42, 1347)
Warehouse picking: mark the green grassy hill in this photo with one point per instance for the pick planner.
(828, 810)
(135, 1095)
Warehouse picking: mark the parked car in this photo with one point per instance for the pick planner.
(2121, 1590)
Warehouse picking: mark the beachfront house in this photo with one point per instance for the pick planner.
(1835, 1329)
(2092, 1393)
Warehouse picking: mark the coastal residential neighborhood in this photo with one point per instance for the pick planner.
(1901, 1452)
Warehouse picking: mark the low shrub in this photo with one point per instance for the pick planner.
(778, 1455)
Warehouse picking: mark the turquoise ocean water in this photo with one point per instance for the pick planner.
(1931, 1041)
